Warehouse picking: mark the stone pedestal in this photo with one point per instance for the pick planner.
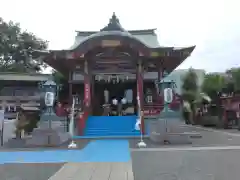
(45, 136)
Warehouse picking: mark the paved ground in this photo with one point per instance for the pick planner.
(95, 171)
(212, 137)
(18, 145)
(213, 157)
(208, 137)
(186, 164)
(28, 171)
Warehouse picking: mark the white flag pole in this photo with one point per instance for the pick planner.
(141, 144)
(71, 126)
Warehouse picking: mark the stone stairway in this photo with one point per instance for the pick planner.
(111, 126)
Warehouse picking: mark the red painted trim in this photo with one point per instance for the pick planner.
(87, 103)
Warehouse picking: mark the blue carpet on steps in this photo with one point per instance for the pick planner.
(105, 126)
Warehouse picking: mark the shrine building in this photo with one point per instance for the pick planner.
(110, 65)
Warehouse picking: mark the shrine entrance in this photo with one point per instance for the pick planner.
(114, 97)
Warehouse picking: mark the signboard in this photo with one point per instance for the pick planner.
(110, 43)
(77, 76)
(154, 54)
(87, 96)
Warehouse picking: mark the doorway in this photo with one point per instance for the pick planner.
(105, 93)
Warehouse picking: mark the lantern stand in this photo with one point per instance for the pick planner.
(49, 131)
(50, 89)
(166, 87)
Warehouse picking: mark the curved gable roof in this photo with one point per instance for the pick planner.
(147, 37)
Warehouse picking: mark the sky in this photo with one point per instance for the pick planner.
(212, 25)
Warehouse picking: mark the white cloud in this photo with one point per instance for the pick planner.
(212, 25)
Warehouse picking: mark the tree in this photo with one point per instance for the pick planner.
(190, 86)
(62, 82)
(58, 77)
(213, 84)
(17, 47)
(234, 78)
(189, 94)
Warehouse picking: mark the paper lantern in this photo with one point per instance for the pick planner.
(49, 99)
(115, 101)
(168, 95)
(124, 101)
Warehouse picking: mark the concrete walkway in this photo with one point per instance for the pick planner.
(95, 171)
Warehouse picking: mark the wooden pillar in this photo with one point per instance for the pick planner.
(86, 100)
(140, 93)
(92, 91)
(160, 71)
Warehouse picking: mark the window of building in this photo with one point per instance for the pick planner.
(149, 95)
(11, 108)
(77, 99)
(149, 99)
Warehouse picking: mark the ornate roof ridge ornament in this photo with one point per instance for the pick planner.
(113, 25)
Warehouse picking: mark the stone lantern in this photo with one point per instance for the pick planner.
(50, 130)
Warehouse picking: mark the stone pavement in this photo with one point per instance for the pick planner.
(215, 156)
(28, 171)
(95, 171)
(187, 163)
